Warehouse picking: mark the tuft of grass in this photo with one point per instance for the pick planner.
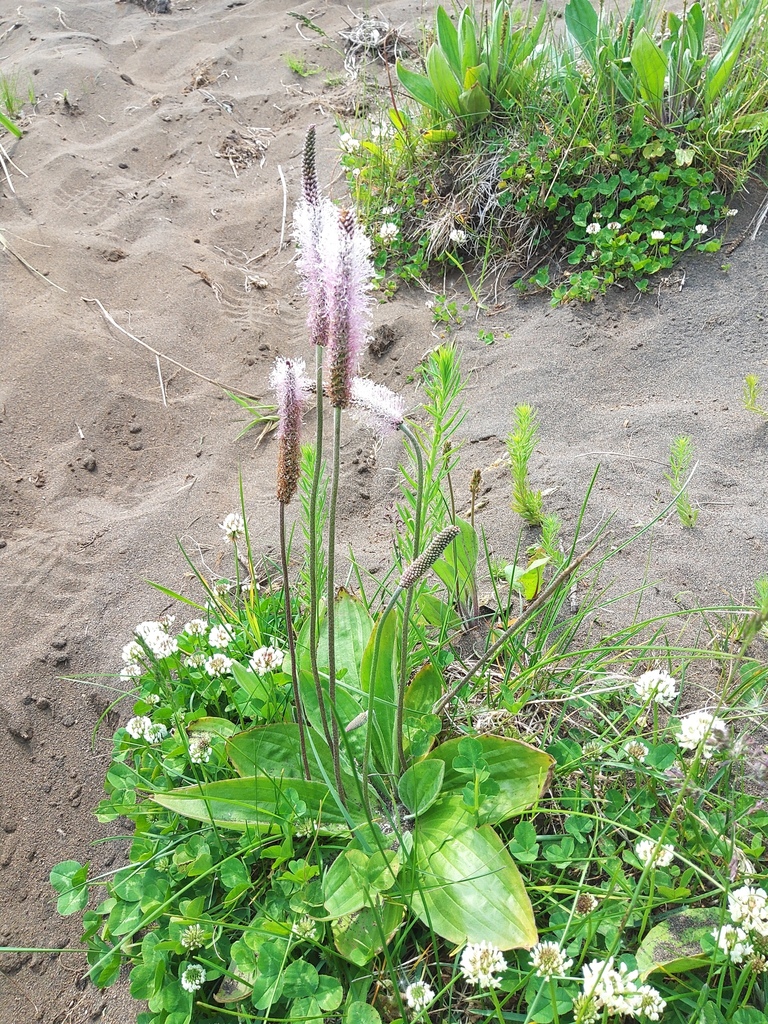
(752, 395)
(680, 458)
(300, 65)
(520, 444)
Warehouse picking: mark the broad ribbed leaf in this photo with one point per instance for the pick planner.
(456, 568)
(360, 939)
(353, 627)
(419, 785)
(448, 40)
(469, 55)
(274, 750)
(650, 65)
(260, 803)
(218, 726)
(441, 76)
(581, 23)
(521, 771)
(468, 889)
(720, 69)
(420, 87)
(674, 945)
(383, 719)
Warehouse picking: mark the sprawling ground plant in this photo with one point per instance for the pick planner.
(343, 810)
(578, 158)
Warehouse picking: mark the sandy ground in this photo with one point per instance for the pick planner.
(153, 185)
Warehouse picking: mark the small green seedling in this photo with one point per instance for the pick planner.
(680, 457)
(752, 395)
(300, 65)
(520, 444)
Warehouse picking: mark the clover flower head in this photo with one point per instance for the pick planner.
(748, 906)
(585, 1009)
(233, 527)
(131, 671)
(594, 228)
(267, 659)
(549, 960)
(155, 733)
(192, 978)
(457, 236)
(636, 750)
(388, 231)
(657, 236)
(155, 635)
(481, 964)
(376, 405)
(349, 143)
(304, 928)
(218, 665)
(650, 1004)
(586, 903)
(195, 660)
(132, 652)
(734, 942)
(617, 990)
(200, 748)
(657, 686)
(193, 937)
(701, 727)
(137, 727)
(418, 996)
(701, 229)
(614, 225)
(650, 853)
(731, 213)
(195, 627)
(221, 636)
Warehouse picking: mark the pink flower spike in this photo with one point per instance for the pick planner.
(290, 384)
(377, 406)
(349, 272)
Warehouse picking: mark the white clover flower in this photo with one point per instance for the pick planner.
(636, 749)
(387, 211)
(221, 636)
(656, 686)
(657, 236)
(457, 236)
(137, 727)
(304, 928)
(132, 652)
(650, 1004)
(549, 960)
(731, 213)
(614, 225)
(585, 904)
(193, 978)
(593, 228)
(200, 748)
(650, 853)
(585, 1009)
(349, 143)
(748, 906)
(701, 727)
(388, 231)
(356, 172)
(195, 627)
(267, 659)
(218, 665)
(615, 989)
(155, 733)
(734, 942)
(193, 937)
(220, 588)
(155, 636)
(701, 229)
(481, 963)
(145, 629)
(132, 671)
(195, 660)
(233, 527)
(152, 698)
(418, 996)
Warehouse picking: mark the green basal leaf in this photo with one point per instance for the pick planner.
(384, 688)
(521, 771)
(218, 726)
(419, 786)
(353, 627)
(420, 726)
(581, 22)
(674, 945)
(467, 887)
(443, 79)
(275, 750)
(420, 87)
(70, 879)
(436, 136)
(9, 125)
(469, 53)
(723, 63)
(650, 65)
(360, 936)
(261, 803)
(456, 568)
(448, 40)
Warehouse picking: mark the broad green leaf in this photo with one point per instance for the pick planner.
(674, 945)
(259, 687)
(8, 124)
(456, 568)
(437, 612)
(469, 55)
(448, 40)
(420, 87)
(70, 879)
(343, 891)
(384, 688)
(419, 785)
(650, 65)
(435, 136)
(260, 802)
(441, 76)
(218, 726)
(468, 889)
(420, 726)
(275, 750)
(722, 64)
(521, 771)
(581, 23)
(353, 627)
(361, 936)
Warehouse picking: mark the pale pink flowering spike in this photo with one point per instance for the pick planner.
(349, 272)
(310, 218)
(289, 383)
(377, 406)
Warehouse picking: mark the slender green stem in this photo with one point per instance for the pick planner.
(372, 696)
(292, 645)
(313, 595)
(331, 610)
(409, 596)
